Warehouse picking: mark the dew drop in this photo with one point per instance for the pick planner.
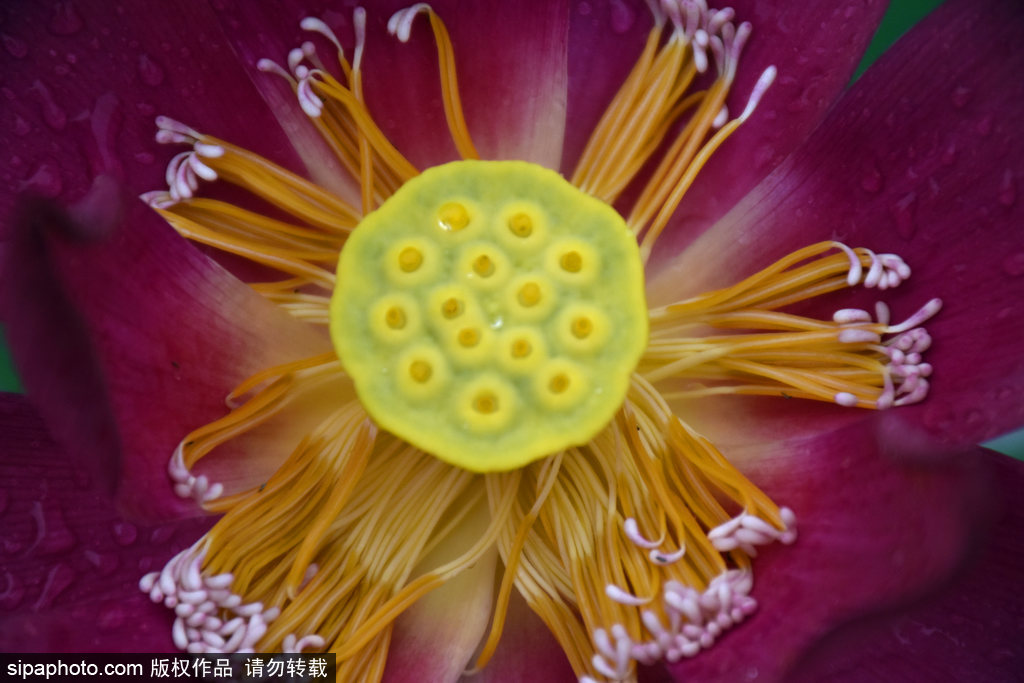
(150, 72)
(110, 617)
(65, 20)
(871, 180)
(984, 125)
(125, 533)
(13, 592)
(1007, 189)
(948, 154)
(960, 96)
(903, 214)
(15, 47)
(21, 126)
(104, 563)
(45, 181)
(54, 116)
(52, 533)
(584, 9)
(60, 577)
(145, 564)
(144, 158)
(161, 535)
(622, 17)
(1013, 265)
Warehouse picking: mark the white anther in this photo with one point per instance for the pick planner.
(658, 557)
(312, 105)
(207, 150)
(845, 399)
(851, 315)
(400, 23)
(359, 28)
(295, 57)
(315, 25)
(213, 640)
(622, 597)
(147, 582)
(201, 169)
(852, 335)
(922, 315)
(176, 129)
(604, 668)
(760, 88)
(882, 312)
(722, 118)
(293, 646)
(178, 634)
(158, 199)
(632, 530)
(270, 66)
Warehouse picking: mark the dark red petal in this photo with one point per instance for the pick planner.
(83, 82)
(921, 158)
(526, 652)
(131, 341)
(871, 534)
(973, 629)
(69, 580)
(798, 38)
(511, 60)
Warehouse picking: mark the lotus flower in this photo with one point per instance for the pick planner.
(129, 338)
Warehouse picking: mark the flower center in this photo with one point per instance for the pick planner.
(490, 313)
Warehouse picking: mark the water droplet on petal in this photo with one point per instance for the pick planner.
(65, 20)
(59, 578)
(584, 8)
(15, 47)
(54, 116)
(871, 180)
(144, 158)
(1007, 189)
(1013, 265)
(903, 214)
(984, 125)
(110, 617)
(150, 72)
(623, 17)
(125, 533)
(960, 96)
(13, 592)
(104, 563)
(46, 181)
(52, 533)
(162, 534)
(948, 154)
(21, 126)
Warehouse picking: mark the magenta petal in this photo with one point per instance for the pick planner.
(921, 158)
(511, 63)
(85, 80)
(871, 534)
(137, 335)
(526, 652)
(973, 629)
(69, 580)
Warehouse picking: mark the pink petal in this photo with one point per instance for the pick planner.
(511, 61)
(435, 639)
(69, 581)
(130, 342)
(85, 80)
(972, 630)
(871, 534)
(526, 652)
(921, 158)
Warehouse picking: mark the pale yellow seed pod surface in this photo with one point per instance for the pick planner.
(490, 313)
